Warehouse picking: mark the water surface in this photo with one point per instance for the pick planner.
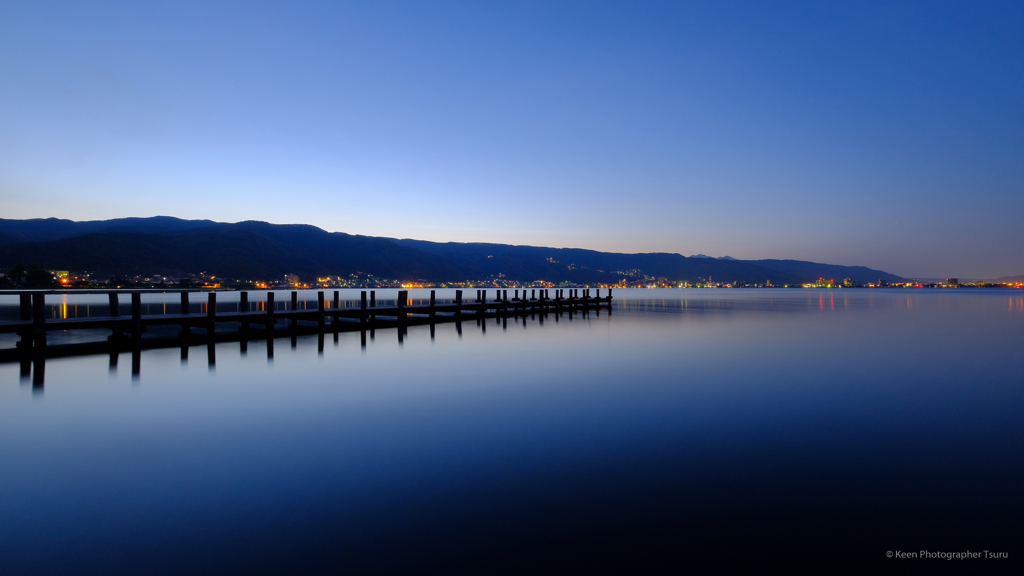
(686, 427)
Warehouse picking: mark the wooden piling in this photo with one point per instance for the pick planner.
(38, 370)
(403, 295)
(270, 322)
(211, 315)
(115, 308)
(136, 361)
(293, 322)
(136, 315)
(26, 306)
(362, 313)
(320, 318)
(334, 318)
(373, 304)
(243, 306)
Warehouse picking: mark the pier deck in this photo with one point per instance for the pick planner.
(265, 322)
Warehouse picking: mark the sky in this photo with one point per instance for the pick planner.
(886, 134)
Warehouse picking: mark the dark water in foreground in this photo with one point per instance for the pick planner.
(687, 428)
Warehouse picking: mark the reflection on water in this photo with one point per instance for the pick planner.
(685, 427)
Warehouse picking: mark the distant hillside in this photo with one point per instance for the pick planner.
(1010, 279)
(657, 265)
(812, 271)
(671, 266)
(247, 250)
(261, 251)
(49, 229)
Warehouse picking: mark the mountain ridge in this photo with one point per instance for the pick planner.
(253, 250)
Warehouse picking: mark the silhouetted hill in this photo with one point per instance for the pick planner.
(812, 271)
(261, 251)
(49, 229)
(671, 266)
(247, 251)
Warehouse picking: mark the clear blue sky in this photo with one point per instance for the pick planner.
(883, 134)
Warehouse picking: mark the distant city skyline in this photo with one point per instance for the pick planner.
(887, 135)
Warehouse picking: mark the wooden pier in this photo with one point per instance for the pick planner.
(266, 322)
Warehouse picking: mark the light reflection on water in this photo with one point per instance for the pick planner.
(686, 426)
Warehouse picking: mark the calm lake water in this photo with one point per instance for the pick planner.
(687, 427)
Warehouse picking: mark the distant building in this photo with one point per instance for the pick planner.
(291, 279)
(952, 281)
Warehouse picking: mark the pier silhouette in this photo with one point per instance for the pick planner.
(265, 320)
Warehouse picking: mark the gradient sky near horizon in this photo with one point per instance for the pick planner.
(886, 134)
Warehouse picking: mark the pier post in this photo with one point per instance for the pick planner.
(38, 371)
(136, 315)
(373, 304)
(26, 306)
(243, 307)
(362, 312)
(320, 312)
(211, 315)
(136, 362)
(115, 308)
(293, 323)
(403, 295)
(270, 323)
(334, 318)
(184, 303)
(433, 303)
